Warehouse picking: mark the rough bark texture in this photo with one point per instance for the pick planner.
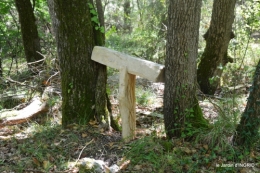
(100, 12)
(180, 102)
(248, 128)
(217, 39)
(31, 40)
(103, 113)
(83, 80)
(75, 42)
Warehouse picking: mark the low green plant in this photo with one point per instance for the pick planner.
(220, 134)
(144, 97)
(148, 151)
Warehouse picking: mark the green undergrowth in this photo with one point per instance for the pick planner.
(47, 147)
(144, 96)
(210, 150)
(153, 154)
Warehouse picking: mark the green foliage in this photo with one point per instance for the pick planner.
(148, 151)
(94, 19)
(70, 87)
(147, 39)
(160, 155)
(10, 37)
(144, 97)
(222, 129)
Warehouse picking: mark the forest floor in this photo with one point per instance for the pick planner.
(42, 145)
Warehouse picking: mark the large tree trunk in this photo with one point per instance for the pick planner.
(248, 128)
(83, 80)
(31, 40)
(180, 103)
(75, 41)
(215, 56)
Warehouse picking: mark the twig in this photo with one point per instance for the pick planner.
(22, 84)
(29, 63)
(83, 149)
(53, 76)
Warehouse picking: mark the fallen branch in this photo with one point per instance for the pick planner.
(17, 117)
(21, 84)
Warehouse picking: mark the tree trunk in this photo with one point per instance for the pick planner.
(102, 113)
(140, 11)
(31, 40)
(181, 107)
(103, 105)
(75, 41)
(1, 69)
(54, 20)
(248, 128)
(83, 80)
(127, 21)
(100, 12)
(215, 55)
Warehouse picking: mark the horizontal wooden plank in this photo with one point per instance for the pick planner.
(136, 66)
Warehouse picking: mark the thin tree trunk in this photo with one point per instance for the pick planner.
(100, 12)
(248, 128)
(180, 103)
(103, 105)
(140, 13)
(54, 20)
(1, 69)
(31, 40)
(215, 55)
(127, 21)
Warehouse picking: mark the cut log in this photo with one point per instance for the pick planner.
(127, 104)
(16, 117)
(135, 66)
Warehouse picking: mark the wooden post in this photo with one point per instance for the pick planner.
(129, 67)
(127, 104)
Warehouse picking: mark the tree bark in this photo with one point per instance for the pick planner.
(248, 128)
(54, 20)
(75, 42)
(215, 55)
(100, 12)
(180, 103)
(127, 21)
(31, 40)
(83, 80)
(103, 105)
(1, 69)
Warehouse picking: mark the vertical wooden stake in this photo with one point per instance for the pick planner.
(127, 104)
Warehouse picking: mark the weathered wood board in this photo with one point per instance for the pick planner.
(129, 67)
(140, 67)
